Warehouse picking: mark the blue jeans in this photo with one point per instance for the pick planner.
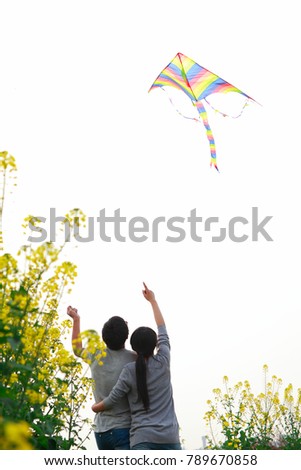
(115, 439)
(153, 446)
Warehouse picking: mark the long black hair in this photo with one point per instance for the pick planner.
(143, 342)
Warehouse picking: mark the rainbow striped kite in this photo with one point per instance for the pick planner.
(198, 83)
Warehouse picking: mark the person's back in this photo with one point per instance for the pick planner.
(111, 428)
(105, 377)
(158, 424)
(147, 384)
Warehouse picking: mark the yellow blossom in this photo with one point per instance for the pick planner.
(16, 436)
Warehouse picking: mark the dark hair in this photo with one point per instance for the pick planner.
(115, 333)
(143, 342)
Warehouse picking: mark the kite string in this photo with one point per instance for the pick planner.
(179, 112)
(209, 104)
(227, 115)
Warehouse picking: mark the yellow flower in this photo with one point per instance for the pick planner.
(16, 436)
(36, 397)
(276, 400)
(14, 378)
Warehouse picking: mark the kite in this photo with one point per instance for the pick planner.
(198, 83)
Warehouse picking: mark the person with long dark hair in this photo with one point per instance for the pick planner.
(147, 384)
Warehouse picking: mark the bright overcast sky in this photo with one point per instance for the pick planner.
(77, 116)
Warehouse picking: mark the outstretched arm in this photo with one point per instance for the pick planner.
(77, 344)
(150, 296)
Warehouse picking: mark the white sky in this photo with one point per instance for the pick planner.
(76, 115)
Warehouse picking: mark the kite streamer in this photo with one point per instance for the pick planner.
(197, 83)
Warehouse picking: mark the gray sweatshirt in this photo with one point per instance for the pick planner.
(105, 377)
(159, 424)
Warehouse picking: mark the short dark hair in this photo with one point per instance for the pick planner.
(115, 332)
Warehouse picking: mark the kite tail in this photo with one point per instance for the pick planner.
(203, 114)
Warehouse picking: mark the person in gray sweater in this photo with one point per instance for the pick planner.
(147, 384)
(111, 428)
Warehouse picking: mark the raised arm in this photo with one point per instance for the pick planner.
(77, 344)
(150, 296)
